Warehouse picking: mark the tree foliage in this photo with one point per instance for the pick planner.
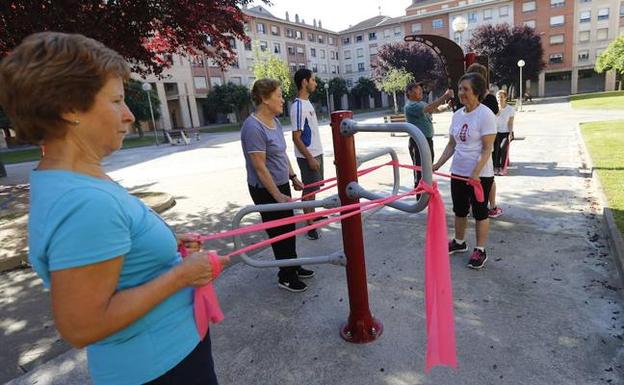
(363, 89)
(612, 58)
(143, 31)
(416, 59)
(395, 81)
(270, 66)
(136, 99)
(319, 95)
(504, 46)
(228, 98)
(337, 88)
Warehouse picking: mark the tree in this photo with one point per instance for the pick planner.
(228, 98)
(143, 31)
(395, 81)
(337, 88)
(363, 89)
(612, 59)
(504, 46)
(319, 96)
(417, 59)
(270, 66)
(136, 99)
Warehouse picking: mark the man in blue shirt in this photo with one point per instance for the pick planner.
(418, 113)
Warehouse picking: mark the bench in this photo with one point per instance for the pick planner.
(398, 118)
(182, 136)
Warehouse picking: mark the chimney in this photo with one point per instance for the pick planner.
(314, 23)
(287, 17)
(302, 21)
(297, 18)
(320, 24)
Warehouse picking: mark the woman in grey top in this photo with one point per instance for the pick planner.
(269, 171)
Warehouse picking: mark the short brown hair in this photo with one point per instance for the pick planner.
(478, 68)
(51, 73)
(262, 89)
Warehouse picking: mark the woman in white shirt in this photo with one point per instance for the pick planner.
(471, 137)
(504, 130)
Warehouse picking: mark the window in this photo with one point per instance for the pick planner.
(200, 82)
(503, 11)
(277, 48)
(322, 54)
(622, 9)
(331, 40)
(346, 40)
(602, 34)
(487, 14)
(332, 55)
(235, 64)
(324, 68)
(301, 65)
(457, 37)
(246, 27)
(298, 35)
(348, 68)
(603, 13)
(275, 31)
(361, 67)
(556, 39)
(321, 40)
(359, 38)
(583, 55)
(300, 51)
(360, 52)
(264, 46)
(472, 17)
(372, 36)
(437, 23)
(248, 46)
(293, 67)
(260, 28)
(528, 6)
(314, 67)
(557, 3)
(349, 83)
(291, 50)
(530, 23)
(347, 54)
(250, 64)
(584, 36)
(557, 20)
(313, 52)
(416, 27)
(333, 69)
(373, 50)
(584, 16)
(233, 42)
(236, 80)
(216, 81)
(311, 37)
(387, 33)
(555, 58)
(290, 33)
(397, 31)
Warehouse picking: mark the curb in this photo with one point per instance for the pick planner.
(615, 240)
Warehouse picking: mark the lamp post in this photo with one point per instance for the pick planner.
(147, 88)
(521, 64)
(459, 25)
(327, 96)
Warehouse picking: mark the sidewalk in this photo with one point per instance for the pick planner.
(546, 310)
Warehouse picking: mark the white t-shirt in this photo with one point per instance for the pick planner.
(303, 118)
(468, 130)
(502, 119)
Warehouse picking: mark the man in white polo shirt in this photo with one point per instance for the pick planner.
(308, 147)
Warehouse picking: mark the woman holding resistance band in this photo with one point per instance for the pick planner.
(268, 173)
(471, 136)
(117, 283)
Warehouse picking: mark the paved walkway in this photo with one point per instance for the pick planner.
(547, 309)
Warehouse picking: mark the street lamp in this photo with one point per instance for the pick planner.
(521, 64)
(327, 96)
(147, 88)
(459, 25)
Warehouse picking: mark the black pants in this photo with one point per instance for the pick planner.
(415, 154)
(464, 198)
(195, 369)
(500, 154)
(286, 248)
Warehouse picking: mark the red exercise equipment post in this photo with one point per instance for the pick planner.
(361, 327)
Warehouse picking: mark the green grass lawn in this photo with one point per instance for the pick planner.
(601, 100)
(605, 141)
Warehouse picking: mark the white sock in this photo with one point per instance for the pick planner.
(480, 248)
(459, 241)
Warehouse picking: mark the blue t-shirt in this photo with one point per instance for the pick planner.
(256, 137)
(416, 115)
(77, 220)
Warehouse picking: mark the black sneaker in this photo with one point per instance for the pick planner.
(313, 235)
(455, 247)
(305, 273)
(295, 285)
(477, 259)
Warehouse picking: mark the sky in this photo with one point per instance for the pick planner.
(336, 15)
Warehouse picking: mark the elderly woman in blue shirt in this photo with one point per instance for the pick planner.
(117, 283)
